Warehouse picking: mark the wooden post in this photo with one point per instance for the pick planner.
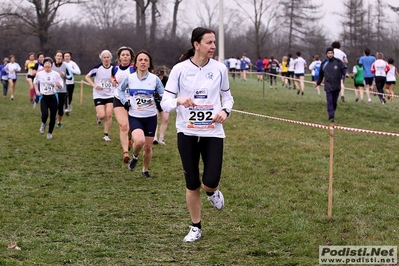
(330, 179)
(81, 91)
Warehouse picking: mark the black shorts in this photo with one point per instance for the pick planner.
(359, 84)
(100, 101)
(368, 81)
(147, 124)
(117, 103)
(191, 148)
(390, 82)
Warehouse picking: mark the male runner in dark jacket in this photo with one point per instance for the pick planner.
(332, 70)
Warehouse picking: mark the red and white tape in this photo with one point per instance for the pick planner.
(321, 126)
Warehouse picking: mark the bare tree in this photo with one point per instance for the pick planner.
(141, 22)
(207, 13)
(154, 15)
(105, 14)
(262, 10)
(36, 23)
(174, 22)
(355, 28)
(299, 16)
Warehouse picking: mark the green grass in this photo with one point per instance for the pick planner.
(72, 201)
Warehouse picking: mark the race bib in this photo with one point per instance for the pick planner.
(200, 117)
(48, 89)
(106, 85)
(144, 101)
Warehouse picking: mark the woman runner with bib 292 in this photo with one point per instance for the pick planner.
(203, 103)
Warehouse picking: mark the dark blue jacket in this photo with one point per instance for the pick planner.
(332, 70)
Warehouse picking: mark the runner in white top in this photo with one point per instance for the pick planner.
(11, 69)
(103, 90)
(50, 82)
(203, 103)
(299, 72)
(339, 54)
(380, 68)
(141, 86)
(70, 83)
(391, 79)
(124, 68)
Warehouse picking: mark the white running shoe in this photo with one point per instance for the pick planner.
(194, 234)
(106, 138)
(49, 136)
(217, 200)
(162, 142)
(42, 128)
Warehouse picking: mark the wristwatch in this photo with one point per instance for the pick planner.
(227, 111)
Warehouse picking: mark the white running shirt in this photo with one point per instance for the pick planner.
(391, 75)
(209, 87)
(300, 64)
(120, 74)
(102, 77)
(12, 68)
(380, 68)
(74, 69)
(48, 82)
(141, 93)
(339, 54)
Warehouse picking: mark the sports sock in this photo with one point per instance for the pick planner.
(198, 225)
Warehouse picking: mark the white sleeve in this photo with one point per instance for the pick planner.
(169, 100)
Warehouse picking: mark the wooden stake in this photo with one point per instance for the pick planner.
(81, 91)
(330, 179)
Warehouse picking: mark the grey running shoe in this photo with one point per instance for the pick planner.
(42, 128)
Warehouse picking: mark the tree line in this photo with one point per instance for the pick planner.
(258, 28)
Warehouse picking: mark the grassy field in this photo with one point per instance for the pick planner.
(71, 200)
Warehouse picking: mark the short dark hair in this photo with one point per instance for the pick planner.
(391, 61)
(336, 45)
(367, 51)
(298, 53)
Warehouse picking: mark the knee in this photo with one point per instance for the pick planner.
(138, 142)
(147, 148)
(124, 127)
